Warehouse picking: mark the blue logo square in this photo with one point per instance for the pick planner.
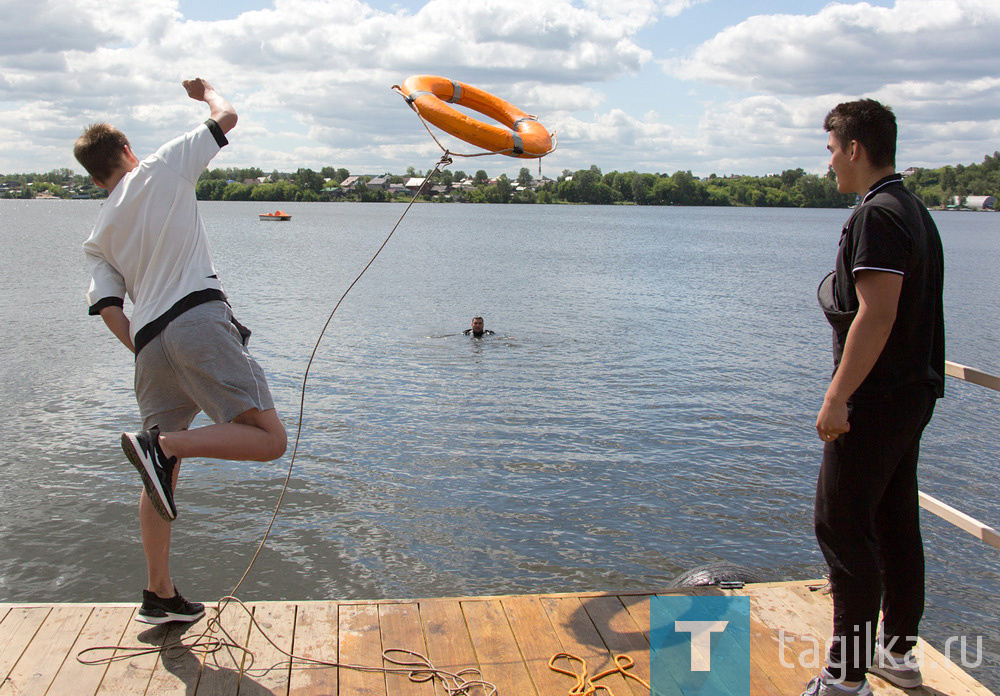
(697, 645)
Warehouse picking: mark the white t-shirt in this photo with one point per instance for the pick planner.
(149, 241)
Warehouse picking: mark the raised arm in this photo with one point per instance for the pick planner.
(222, 113)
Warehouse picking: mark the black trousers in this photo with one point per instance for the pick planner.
(867, 521)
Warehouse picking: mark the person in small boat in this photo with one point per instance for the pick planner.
(190, 352)
(477, 330)
(885, 306)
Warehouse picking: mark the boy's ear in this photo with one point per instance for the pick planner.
(855, 149)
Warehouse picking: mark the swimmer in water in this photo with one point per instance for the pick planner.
(477, 330)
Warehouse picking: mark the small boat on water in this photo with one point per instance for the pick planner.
(279, 215)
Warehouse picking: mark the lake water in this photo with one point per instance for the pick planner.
(646, 405)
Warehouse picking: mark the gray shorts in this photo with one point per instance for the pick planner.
(198, 363)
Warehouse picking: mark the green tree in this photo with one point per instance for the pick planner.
(236, 192)
(307, 179)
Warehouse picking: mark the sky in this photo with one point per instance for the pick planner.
(707, 86)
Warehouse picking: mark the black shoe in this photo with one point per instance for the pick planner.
(156, 610)
(143, 450)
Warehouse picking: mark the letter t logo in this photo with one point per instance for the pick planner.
(701, 641)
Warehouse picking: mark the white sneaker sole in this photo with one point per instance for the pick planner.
(142, 464)
(157, 620)
(896, 679)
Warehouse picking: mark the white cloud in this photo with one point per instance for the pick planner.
(852, 48)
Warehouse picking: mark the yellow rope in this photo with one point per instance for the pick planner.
(585, 685)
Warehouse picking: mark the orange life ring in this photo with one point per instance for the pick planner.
(523, 136)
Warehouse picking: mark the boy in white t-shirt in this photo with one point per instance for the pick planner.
(149, 243)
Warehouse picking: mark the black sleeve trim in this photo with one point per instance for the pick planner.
(104, 303)
(217, 133)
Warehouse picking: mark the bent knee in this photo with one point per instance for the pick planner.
(273, 447)
(280, 446)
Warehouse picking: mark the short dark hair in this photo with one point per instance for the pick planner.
(870, 123)
(100, 150)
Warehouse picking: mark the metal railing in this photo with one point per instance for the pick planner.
(946, 512)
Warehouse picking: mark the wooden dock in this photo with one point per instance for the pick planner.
(509, 638)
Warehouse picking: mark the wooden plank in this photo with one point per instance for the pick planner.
(360, 644)
(620, 632)
(499, 657)
(46, 652)
(978, 529)
(316, 637)
(178, 670)
(104, 627)
(638, 609)
(273, 622)
(945, 674)
(16, 631)
(971, 374)
(446, 635)
(401, 629)
(537, 641)
(579, 636)
(131, 673)
(220, 671)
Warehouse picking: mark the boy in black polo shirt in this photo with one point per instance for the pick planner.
(886, 308)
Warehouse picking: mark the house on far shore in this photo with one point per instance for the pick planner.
(414, 183)
(974, 202)
(350, 182)
(378, 183)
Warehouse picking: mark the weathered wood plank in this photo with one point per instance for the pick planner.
(360, 644)
(400, 625)
(130, 674)
(497, 651)
(537, 640)
(178, 670)
(16, 631)
(104, 627)
(46, 652)
(620, 634)
(446, 634)
(220, 672)
(270, 672)
(316, 637)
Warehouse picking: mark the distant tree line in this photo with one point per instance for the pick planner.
(791, 188)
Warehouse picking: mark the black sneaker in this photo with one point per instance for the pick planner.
(156, 610)
(143, 450)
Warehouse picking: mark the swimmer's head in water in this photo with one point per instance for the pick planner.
(477, 326)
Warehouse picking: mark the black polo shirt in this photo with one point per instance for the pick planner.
(891, 231)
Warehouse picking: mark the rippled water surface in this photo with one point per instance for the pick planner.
(645, 406)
